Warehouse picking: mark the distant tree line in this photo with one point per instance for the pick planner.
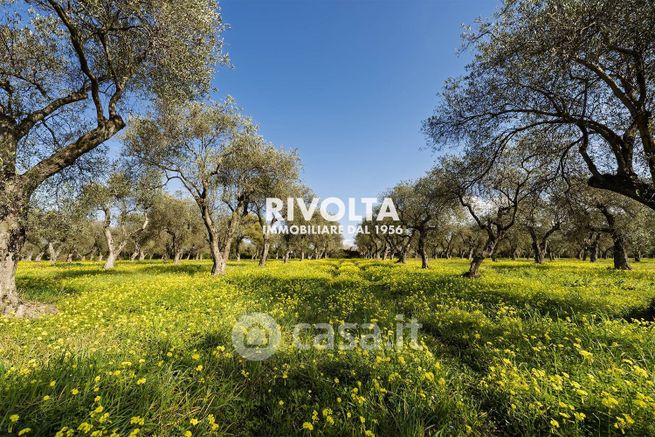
(127, 214)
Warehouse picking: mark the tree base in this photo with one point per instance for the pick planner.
(471, 275)
(27, 310)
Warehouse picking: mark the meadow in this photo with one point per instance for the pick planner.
(564, 348)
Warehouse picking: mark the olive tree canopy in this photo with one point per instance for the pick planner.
(579, 71)
(69, 71)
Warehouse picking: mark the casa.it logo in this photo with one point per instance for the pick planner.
(297, 216)
(257, 336)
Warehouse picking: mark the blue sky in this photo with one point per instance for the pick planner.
(346, 82)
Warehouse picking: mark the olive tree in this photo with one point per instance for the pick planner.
(68, 71)
(178, 221)
(191, 144)
(124, 206)
(493, 195)
(543, 215)
(256, 170)
(605, 213)
(581, 71)
(429, 209)
(279, 181)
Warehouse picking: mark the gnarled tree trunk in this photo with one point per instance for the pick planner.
(619, 253)
(422, 251)
(218, 266)
(618, 248)
(12, 238)
(265, 249)
(115, 251)
(478, 258)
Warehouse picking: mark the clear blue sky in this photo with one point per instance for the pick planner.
(346, 82)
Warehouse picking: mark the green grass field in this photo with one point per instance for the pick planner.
(525, 350)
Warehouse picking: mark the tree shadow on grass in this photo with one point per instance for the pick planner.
(646, 313)
(537, 294)
(188, 269)
(55, 284)
(44, 289)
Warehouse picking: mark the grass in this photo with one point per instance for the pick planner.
(564, 348)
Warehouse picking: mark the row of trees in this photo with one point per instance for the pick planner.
(554, 122)
(69, 72)
(211, 152)
(515, 210)
(123, 220)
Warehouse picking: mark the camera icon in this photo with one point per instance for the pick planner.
(256, 336)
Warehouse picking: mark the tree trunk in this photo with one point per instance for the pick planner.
(52, 254)
(538, 248)
(237, 248)
(620, 254)
(114, 254)
(422, 251)
(265, 249)
(474, 268)
(218, 266)
(178, 257)
(618, 247)
(231, 231)
(539, 254)
(593, 251)
(478, 258)
(449, 247)
(12, 238)
(638, 256)
(593, 255)
(111, 260)
(111, 256)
